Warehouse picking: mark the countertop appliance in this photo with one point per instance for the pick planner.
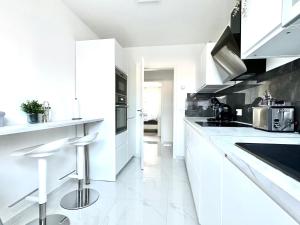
(284, 157)
(121, 102)
(222, 124)
(222, 112)
(226, 53)
(274, 118)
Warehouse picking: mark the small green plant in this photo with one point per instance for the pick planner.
(32, 107)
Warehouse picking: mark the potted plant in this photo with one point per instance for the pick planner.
(33, 109)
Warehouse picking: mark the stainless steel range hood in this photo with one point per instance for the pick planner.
(226, 53)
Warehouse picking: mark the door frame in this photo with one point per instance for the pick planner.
(165, 67)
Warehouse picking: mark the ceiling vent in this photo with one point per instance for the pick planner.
(148, 1)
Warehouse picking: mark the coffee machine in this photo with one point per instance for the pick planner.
(222, 112)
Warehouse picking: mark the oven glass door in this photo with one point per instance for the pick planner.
(121, 84)
(290, 11)
(121, 119)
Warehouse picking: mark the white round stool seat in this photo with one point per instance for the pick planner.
(82, 197)
(41, 153)
(47, 150)
(86, 140)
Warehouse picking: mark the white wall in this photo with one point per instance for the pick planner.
(37, 55)
(166, 79)
(152, 101)
(184, 59)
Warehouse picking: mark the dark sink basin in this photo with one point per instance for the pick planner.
(285, 158)
(222, 124)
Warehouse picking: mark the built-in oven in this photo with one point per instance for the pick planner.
(290, 12)
(121, 113)
(121, 82)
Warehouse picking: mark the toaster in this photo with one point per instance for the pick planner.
(274, 118)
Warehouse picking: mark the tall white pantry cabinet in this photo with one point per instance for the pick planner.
(96, 61)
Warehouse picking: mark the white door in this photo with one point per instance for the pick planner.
(140, 113)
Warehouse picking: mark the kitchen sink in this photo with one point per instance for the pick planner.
(284, 157)
(222, 124)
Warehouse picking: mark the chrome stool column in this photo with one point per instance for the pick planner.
(82, 197)
(41, 153)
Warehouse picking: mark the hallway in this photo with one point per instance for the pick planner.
(160, 195)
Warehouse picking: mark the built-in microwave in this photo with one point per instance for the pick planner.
(121, 82)
(290, 12)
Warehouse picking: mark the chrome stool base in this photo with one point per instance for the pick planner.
(54, 219)
(79, 199)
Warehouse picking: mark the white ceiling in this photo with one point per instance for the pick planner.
(166, 22)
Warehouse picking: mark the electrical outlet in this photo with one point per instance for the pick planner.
(239, 112)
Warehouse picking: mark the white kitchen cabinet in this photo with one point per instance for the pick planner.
(131, 123)
(194, 180)
(210, 77)
(131, 110)
(262, 33)
(223, 195)
(121, 59)
(186, 138)
(204, 165)
(210, 180)
(121, 157)
(245, 203)
(96, 61)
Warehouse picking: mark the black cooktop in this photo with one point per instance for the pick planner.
(222, 124)
(285, 158)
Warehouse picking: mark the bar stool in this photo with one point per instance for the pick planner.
(82, 197)
(41, 153)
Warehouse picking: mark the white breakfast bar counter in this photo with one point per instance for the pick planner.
(19, 175)
(17, 129)
(281, 188)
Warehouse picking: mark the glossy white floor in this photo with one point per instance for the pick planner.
(159, 195)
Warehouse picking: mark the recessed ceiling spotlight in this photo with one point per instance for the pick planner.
(147, 1)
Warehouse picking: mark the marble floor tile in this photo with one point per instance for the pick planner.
(159, 195)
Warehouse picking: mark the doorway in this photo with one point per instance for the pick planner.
(158, 109)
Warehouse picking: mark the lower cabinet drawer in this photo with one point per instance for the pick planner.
(121, 157)
(194, 181)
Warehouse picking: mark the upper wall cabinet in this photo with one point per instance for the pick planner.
(121, 60)
(269, 28)
(210, 76)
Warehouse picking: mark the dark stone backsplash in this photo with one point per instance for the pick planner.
(196, 105)
(284, 86)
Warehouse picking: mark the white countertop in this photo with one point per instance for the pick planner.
(284, 190)
(15, 129)
(235, 131)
